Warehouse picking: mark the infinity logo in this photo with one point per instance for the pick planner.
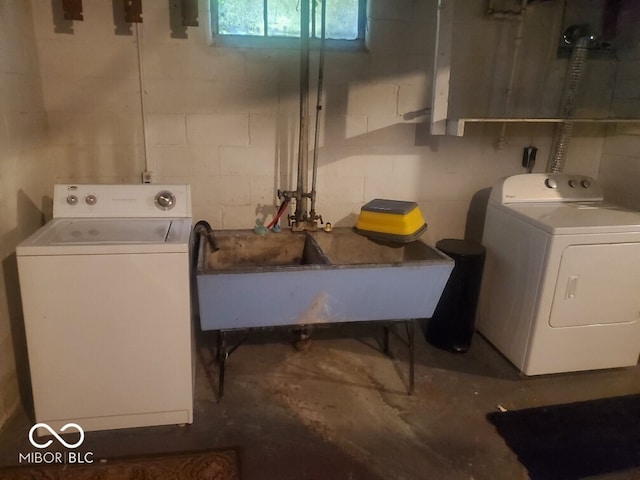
(53, 432)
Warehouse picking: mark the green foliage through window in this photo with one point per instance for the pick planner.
(281, 18)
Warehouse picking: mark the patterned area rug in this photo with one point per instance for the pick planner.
(209, 465)
(575, 440)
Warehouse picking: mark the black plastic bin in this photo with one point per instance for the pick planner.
(453, 322)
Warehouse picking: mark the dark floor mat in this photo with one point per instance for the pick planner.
(574, 440)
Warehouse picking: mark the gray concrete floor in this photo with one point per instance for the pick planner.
(341, 411)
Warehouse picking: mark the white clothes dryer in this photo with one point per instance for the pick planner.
(107, 312)
(561, 284)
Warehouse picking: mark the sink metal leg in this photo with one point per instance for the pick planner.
(385, 340)
(409, 342)
(411, 333)
(222, 355)
(223, 351)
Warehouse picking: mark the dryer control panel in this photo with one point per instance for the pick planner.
(547, 187)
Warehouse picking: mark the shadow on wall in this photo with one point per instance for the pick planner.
(18, 335)
(476, 215)
(347, 221)
(30, 218)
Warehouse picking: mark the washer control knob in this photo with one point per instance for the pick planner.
(72, 199)
(90, 199)
(551, 183)
(165, 200)
(573, 183)
(585, 183)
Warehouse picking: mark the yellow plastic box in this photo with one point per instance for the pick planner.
(392, 220)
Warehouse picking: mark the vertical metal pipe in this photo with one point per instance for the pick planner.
(303, 143)
(143, 110)
(517, 43)
(265, 17)
(314, 167)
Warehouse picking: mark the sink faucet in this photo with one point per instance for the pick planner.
(308, 222)
(301, 220)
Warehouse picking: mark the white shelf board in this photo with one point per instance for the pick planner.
(456, 126)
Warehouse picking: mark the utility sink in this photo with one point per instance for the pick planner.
(246, 251)
(291, 278)
(344, 247)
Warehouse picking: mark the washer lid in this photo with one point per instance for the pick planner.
(577, 217)
(102, 231)
(100, 236)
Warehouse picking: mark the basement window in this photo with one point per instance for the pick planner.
(276, 23)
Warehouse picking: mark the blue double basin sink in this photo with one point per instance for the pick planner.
(292, 278)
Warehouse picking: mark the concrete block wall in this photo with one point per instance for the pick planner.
(91, 95)
(620, 165)
(225, 119)
(25, 185)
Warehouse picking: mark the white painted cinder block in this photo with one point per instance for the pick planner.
(231, 190)
(372, 99)
(166, 128)
(76, 161)
(106, 57)
(204, 160)
(91, 94)
(390, 130)
(396, 10)
(84, 128)
(445, 219)
(226, 119)
(339, 214)
(414, 102)
(218, 129)
(210, 96)
(343, 130)
(343, 188)
(263, 130)
(262, 65)
(247, 161)
(263, 192)
(210, 213)
(188, 95)
(239, 217)
(380, 187)
(624, 146)
(387, 35)
(21, 92)
(169, 160)
(369, 163)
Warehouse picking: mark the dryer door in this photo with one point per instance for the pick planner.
(597, 284)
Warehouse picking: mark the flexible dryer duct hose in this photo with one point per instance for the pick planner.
(564, 130)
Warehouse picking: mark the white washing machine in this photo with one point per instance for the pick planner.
(105, 295)
(561, 284)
